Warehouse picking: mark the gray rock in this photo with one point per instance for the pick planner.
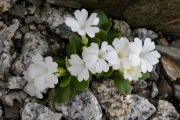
(6, 33)
(30, 19)
(16, 82)
(166, 111)
(138, 108)
(177, 91)
(72, 4)
(143, 33)
(123, 28)
(154, 90)
(176, 44)
(118, 107)
(18, 11)
(36, 2)
(81, 107)
(35, 111)
(5, 5)
(12, 112)
(1, 112)
(34, 43)
(55, 19)
(11, 96)
(170, 51)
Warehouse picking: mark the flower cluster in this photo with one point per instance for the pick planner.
(130, 58)
(88, 54)
(40, 76)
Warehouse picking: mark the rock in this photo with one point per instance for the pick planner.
(171, 68)
(54, 46)
(170, 51)
(166, 111)
(35, 111)
(6, 33)
(5, 5)
(18, 11)
(164, 88)
(163, 42)
(118, 107)
(12, 112)
(31, 9)
(34, 43)
(144, 33)
(69, 3)
(16, 82)
(55, 19)
(123, 28)
(1, 112)
(177, 91)
(176, 44)
(36, 2)
(12, 96)
(83, 106)
(154, 75)
(154, 90)
(24, 29)
(30, 19)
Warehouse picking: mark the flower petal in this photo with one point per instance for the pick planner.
(91, 31)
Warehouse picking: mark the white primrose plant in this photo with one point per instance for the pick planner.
(95, 51)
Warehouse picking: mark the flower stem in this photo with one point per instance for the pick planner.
(84, 40)
(60, 72)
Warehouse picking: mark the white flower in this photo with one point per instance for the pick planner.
(78, 68)
(144, 55)
(119, 55)
(132, 73)
(39, 75)
(95, 57)
(82, 24)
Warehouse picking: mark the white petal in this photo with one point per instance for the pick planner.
(91, 31)
(96, 21)
(135, 59)
(71, 22)
(148, 45)
(84, 75)
(104, 65)
(81, 16)
(52, 66)
(91, 19)
(50, 80)
(81, 32)
(136, 46)
(75, 59)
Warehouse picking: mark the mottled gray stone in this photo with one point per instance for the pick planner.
(83, 106)
(119, 107)
(5, 5)
(144, 33)
(33, 43)
(6, 33)
(123, 28)
(55, 19)
(12, 112)
(177, 91)
(166, 111)
(170, 51)
(9, 98)
(16, 82)
(35, 111)
(154, 90)
(18, 11)
(1, 112)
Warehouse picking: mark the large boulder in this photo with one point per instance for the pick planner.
(155, 14)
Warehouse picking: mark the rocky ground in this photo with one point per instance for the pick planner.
(28, 27)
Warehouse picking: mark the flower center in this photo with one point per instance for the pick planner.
(142, 55)
(83, 26)
(131, 70)
(100, 55)
(120, 55)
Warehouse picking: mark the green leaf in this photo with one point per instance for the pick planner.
(112, 35)
(80, 86)
(59, 61)
(109, 73)
(65, 80)
(145, 76)
(121, 84)
(104, 22)
(63, 94)
(75, 44)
